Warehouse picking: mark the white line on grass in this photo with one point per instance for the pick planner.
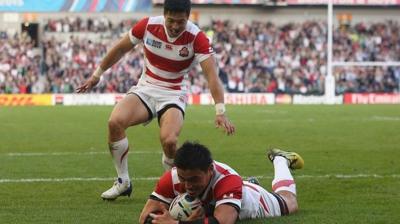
(20, 154)
(385, 118)
(89, 179)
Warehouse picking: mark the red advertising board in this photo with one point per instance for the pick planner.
(343, 2)
(25, 100)
(371, 98)
(220, 2)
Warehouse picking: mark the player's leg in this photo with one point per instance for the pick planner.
(128, 112)
(171, 121)
(283, 183)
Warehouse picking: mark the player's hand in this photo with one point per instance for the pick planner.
(223, 122)
(198, 213)
(164, 218)
(89, 84)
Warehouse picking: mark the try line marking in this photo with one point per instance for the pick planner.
(21, 154)
(91, 179)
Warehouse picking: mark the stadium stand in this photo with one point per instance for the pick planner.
(252, 57)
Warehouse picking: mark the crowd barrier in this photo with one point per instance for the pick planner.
(201, 99)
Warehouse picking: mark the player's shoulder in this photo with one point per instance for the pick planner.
(192, 28)
(156, 20)
(224, 169)
(225, 176)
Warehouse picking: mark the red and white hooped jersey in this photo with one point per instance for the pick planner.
(167, 60)
(226, 186)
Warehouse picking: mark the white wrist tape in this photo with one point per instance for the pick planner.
(219, 108)
(98, 72)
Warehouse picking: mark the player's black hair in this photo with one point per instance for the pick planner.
(192, 156)
(177, 6)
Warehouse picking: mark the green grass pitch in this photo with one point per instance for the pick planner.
(54, 161)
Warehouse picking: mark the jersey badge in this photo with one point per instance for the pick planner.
(184, 52)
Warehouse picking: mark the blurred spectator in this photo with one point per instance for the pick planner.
(255, 57)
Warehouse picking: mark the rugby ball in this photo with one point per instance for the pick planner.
(182, 206)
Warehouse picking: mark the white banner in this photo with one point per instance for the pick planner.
(300, 99)
(240, 98)
(86, 99)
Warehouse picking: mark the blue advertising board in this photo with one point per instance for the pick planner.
(75, 5)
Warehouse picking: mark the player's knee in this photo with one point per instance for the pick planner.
(115, 124)
(293, 206)
(169, 142)
(291, 202)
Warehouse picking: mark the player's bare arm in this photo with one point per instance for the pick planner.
(113, 56)
(151, 206)
(221, 120)
(165, 218)
(225, 214)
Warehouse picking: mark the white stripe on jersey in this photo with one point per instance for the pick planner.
(202, 57)
(175, 179)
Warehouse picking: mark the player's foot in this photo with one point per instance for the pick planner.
(294, 160)
(253, 180)
(120, 188)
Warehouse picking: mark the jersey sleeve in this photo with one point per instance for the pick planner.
(136, 33)
(202, 47)
(164, 189)
(229, 190)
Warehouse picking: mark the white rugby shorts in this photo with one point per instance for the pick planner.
(258, 202)
(156, 99)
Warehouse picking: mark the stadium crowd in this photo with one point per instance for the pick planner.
(256, 57)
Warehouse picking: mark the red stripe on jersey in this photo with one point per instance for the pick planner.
(264, 204)
(201, 44)
(158, 31)
(139, 28)
(154, 76)
(282, 183)
(184, 38)
(206, 220)
(221, 169)
(165, 186)
(167, 64)
(229, 187)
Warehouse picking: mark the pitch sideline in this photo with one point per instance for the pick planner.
(90, 179)
(26, 154)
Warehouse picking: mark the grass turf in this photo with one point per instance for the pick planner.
(351, 173)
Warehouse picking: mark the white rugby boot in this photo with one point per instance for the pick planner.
(120, 188)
